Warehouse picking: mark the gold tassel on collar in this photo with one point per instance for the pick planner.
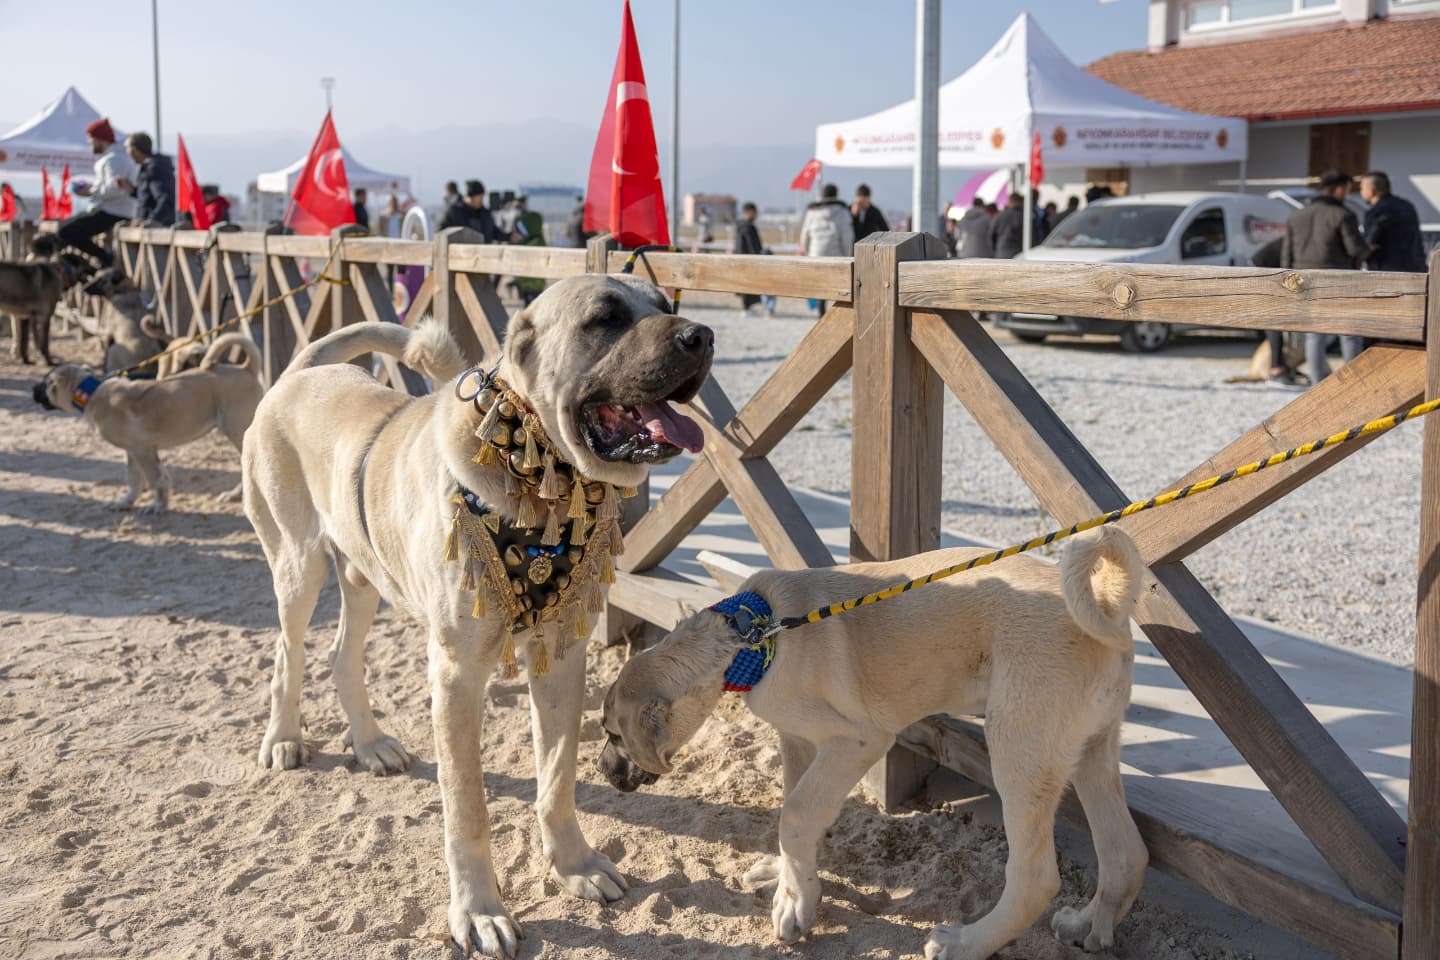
(532, 453)
(509, 666)
(525, 516)
(477, 612)
(628, 492)
(582, 626)
(551, 486)
(559, 642)
(467, 580)
(485, 456)
(577, 500)
(617, 541)
(607, 567)
(609, 508)
(512, 486)
(552, 528)
(541, 666)
(452, 539)
(577, 532)
(487, 426)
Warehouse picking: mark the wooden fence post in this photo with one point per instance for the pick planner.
(344, 306)
(446, 306)
(898, 403)
(1420, 927)
(280, 338)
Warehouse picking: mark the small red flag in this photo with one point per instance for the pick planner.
(320, 201)
(47, 206)
(64, 205)
(188, 198)
(1037, 162)
(624, 194)
(7, 204)
(805, 179)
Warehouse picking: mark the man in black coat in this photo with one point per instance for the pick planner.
(1325, 235)
(867, 218)
(1007, 230)
(747, 240)
(154, 182)
(1392, 227)
(470, 211)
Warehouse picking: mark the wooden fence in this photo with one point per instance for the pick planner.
(901, 321)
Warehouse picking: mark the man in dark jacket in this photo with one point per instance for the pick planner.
(1007, 230)
(747, 240)
(1324, 235)
(868, 218)
(471, 212)
(1392, 227)
(361, 208)
(154, 182)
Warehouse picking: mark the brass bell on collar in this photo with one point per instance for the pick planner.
(518, 436)
(562, 580)
(576, 555)
(526, 602)
(594, 493)
(517, 587)
(514, 556)
(517, 464)
(500, 434)
(486, 398)
(507, 409)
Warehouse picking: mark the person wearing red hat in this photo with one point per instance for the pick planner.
(111, 194)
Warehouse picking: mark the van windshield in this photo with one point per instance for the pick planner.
(1121, 225)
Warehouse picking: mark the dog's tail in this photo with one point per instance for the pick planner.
(151, 326)
(1100, 580)
(428, 348)
(222, 345)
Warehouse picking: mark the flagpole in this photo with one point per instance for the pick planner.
(926, 186)
(155, 50)
(675, 138)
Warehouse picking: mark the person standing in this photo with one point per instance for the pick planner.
(1325, 235)
(865, 217)
(452, 194)
(528, 229)
(575, 226)
(1007, 229)
(154, 182)
(828, 229)
(1392, 227)
(972, 232)
(471, 212)
(747, 241)
(217, 208)
(109, 194)
(362, 213)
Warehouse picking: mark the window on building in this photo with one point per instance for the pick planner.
(1213, 13)
(1205, 237)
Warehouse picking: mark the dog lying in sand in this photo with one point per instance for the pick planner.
(143, 417)
(1043, 651)
(427, 501)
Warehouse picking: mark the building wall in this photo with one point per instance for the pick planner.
(1406, 149)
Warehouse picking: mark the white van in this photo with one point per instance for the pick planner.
(1181, 227)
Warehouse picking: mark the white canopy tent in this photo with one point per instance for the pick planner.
(1023, 85)
(52, 138)
(356, 173)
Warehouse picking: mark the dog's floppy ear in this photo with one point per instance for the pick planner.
(655, 721)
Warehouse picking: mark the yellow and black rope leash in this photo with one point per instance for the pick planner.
(1189, 490)
(639, 253)
(233, 321)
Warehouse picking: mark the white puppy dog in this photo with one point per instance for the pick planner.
(1042, 651)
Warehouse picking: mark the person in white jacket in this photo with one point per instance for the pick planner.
(111, 194)
(828, 229)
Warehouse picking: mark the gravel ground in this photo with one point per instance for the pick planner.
(1333, 560)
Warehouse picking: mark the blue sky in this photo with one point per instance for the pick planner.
(754, 72)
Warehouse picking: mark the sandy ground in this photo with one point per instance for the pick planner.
(135, 655)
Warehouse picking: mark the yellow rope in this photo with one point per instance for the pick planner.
(1304, 450)
(273, 301)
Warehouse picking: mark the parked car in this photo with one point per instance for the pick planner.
(1182, 228)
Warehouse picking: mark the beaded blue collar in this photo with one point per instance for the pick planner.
(81, 394)
(750, 615)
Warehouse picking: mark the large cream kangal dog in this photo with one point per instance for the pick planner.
(338, 466)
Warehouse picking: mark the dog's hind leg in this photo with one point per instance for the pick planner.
(556, 701)
(1118, 848)
(42, 334)
(20, 349)
(796, 755)
(374, 750)
(156, 479)
(135, 482)
(1030, 768)
(235, 433)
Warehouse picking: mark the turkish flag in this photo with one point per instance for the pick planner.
(320, 201)
(805, 179)
(188, 198)
(47, 206)
(7, 204)
(64, 205)
(1037, 162)
(624, 196)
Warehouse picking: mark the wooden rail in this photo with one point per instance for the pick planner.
(900, 320)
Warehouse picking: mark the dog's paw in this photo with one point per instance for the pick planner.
(124, 503)
(1075, 927)
(380, 756)
(592, 877)
(487, 928)
(952, 943)
(234, 495)
(280, 754)
(764, 873)
(797, 895)
(151, 509)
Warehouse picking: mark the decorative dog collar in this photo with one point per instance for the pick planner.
(80, 396)
(750, 615)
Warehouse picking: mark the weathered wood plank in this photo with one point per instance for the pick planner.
(445, 304)
(190, 239)
(1383, 305)
(820, 278)
(1332, 802)
(1422, 867)
(289, 245)
(424, 299)
(1201, 846)
(661, 597)
(408, 253)
(374, 298)
(552, 263)
(484, 310)
(246, 241)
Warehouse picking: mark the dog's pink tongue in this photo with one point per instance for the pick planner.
(666, 423)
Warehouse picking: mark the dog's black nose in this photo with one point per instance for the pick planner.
(42, 396)
(695, 337)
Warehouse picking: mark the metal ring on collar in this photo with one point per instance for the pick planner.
(483, 380)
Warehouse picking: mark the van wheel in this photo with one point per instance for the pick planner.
(1029, 337)
(1147, 336)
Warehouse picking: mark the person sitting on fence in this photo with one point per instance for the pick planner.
(217, 208)
(109, 195)
(154, 186)
(471, 212)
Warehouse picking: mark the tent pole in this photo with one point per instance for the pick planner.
(155, 52)
(1029, 207)
(924, 199)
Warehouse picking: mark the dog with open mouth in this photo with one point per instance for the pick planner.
(1042, 651)
(489, 511)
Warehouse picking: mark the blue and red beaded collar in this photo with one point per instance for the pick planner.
(750, 615)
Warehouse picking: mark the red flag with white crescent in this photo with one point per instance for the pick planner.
(805, 179)
(188, 197)
(624, 196)
(47, 206)
(64, 204)
(320, 201)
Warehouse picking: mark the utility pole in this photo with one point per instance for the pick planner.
(675, 138)
(155, 52)
(925, 202)
(329, 84)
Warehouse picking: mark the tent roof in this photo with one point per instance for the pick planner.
(356, 174)
(52, 138)
(1024, 85)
